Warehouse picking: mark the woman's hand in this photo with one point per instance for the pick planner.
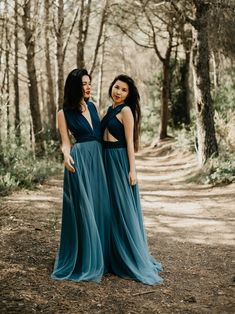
(68, 161)
(132, 178)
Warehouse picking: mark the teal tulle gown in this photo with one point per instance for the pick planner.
(83, 252)
(129, 256)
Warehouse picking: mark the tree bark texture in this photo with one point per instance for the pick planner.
(16, 77)
(99, 37)
(165, 89)
(82, 32)
(32, 77)
(60, 54)
(50, 97)
(187, 87)
(207, 144)
(165, 99)
(100, 78)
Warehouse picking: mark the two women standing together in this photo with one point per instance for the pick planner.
(102, 225)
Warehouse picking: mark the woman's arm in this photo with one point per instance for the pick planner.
(128, 122)
(66, 145)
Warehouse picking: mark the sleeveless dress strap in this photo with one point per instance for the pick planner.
(111, 113)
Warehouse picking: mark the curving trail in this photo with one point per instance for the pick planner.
(190, 230)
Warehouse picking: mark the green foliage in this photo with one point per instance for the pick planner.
(224, 95)
(224, 103)
(221, 169)
(179, 115)
(217, 171)
(19, 168)
(186, 138)
(151, 111)
(179, 107)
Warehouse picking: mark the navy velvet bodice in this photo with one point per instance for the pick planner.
(114, 126)
(80, 127)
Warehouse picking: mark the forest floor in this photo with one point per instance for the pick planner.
(190, 230)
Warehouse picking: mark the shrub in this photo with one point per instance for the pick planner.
(20, 169)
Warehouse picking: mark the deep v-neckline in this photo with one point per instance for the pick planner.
(87, 121)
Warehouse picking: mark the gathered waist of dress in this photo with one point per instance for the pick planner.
(117, 144)
(88, 139)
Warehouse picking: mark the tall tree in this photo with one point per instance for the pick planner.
(29, 32)
(50, 97)
(101, 73)
(206, 138)
(100, 33)
(207, 144)
(16, 75)
(184, 34)
(147, 25)
(61, 47)
(60, 52)
(221, 33)
(84, 17)
(6, 81)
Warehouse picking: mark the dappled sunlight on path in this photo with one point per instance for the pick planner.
(182, 211)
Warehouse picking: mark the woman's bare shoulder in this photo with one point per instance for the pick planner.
(126, 111)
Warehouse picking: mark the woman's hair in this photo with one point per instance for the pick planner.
(133, 101)
(73, 89)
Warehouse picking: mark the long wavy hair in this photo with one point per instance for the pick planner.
(73, 89)
(133, 101)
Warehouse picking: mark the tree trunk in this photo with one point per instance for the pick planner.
(100, 33)
(32, 85)
(100, 78)
(82, 32)
(16, 78)
(207, 144)
(8, 84)
(80, 44)
(1, 91)
(186, 37)
(214, 74)
(165, 94)
(187, 87)
(60, 54)
(166, 84)
(50, 97)
(7, 69)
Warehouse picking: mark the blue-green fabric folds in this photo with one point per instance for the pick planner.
(129, 256)
(84, 243)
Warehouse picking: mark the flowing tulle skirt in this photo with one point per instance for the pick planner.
(84, 244)
(129, 256)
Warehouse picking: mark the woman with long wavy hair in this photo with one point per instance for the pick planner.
(83, 253)
(129, 255)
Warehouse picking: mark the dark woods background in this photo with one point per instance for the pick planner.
(181, 54)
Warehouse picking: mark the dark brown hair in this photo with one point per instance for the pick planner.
(132, 100)
(73, 90)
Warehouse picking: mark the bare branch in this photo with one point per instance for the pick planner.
(70, 31)
(132, 38)
(102, 24)
(187, 18)
(85, 30)
(154, 36)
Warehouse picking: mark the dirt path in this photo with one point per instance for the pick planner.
(190, 230)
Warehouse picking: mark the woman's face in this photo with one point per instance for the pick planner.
(86, 84)
(120, 91)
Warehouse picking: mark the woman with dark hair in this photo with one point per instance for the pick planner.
(84, 243)
(129, 254)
